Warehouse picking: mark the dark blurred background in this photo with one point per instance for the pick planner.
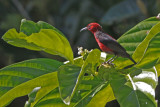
(69, 16)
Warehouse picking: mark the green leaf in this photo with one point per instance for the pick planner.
(47, 80)
(73, 75)
(28, 27)
(88, 89)
(67, 77)
(78, 61)
(158, 69)
(32, 96)
(31, 73)
(102, 97)
(133, 38)
(44, 25)
(103, 94)
(149, 49)
(46, 40)
(148, 64)
(137, 91)
(104, 71)
(51, 99)
(92, 61)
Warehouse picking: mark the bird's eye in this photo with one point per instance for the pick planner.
(89, 27)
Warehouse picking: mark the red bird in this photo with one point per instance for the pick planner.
(107, 43)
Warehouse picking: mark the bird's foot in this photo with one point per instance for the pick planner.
(108, 63)
(103, 63)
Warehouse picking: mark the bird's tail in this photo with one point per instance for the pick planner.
(129, 66)
(132, 60)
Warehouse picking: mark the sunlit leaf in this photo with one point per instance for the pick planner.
(46, 40)
(78, 61)
(89, 88)
(86, 82)
(158, 69)
(51, 99)
(32, 96)
(74, 74)
(102, 97)
(67, 77)
(92, 61)
(148, 63)
(21, 78)
(28, 27)
(133, 38)
(149, 49)
(137, 91)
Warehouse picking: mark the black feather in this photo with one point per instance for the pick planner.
(112, 44)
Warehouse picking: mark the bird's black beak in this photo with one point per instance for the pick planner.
(85, 28)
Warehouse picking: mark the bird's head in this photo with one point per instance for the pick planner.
(93, 27)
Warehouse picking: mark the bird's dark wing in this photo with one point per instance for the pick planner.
(113, 45)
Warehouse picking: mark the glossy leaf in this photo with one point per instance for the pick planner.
(51, 99)
(78, 61)
(47, 80)
(67, 77)
(40, 37)
(93, 89)
(46, 40)
(137, 91)
(151, 49)
(102, 97)
(148, 63)
(31, 73)
(32, 96)
(90, 88)
(131, 87)
(92, 61)
(132, 39)
(28, 27)
(158, 68)
(149, 46)
(73, 75)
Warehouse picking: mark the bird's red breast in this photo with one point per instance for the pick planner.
(103, 47)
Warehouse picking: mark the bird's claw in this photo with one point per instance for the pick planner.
(112, 64)
(109, 63)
